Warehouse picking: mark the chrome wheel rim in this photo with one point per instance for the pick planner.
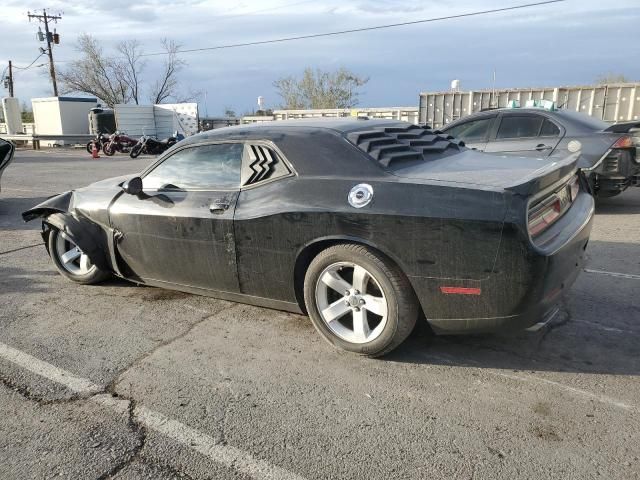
(351, 302)
(72, 259)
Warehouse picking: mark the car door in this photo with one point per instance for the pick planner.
(474, 132)
(526, 134)
(179, 230)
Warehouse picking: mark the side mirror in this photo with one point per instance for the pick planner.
(133, 186)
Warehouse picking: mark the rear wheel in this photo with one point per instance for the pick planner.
(90, 146)
(72, 262)
(359, 301)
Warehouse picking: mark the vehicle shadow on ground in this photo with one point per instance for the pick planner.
(628, 202)
(11, 209)
(567, 344)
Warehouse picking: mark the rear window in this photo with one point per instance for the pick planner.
(471, 131)
(514, 126)
(549, 129)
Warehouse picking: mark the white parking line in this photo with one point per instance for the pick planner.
(202, 443)
(613, 274)
(577, 391)
(535, 379)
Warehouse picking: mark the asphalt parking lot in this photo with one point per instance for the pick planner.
(122, 381)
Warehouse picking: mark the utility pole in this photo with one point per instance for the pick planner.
(51, 38)
(10, 79)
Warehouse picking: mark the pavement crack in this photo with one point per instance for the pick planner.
(141, 434)
(28, 395)
(111, 387)
(21, 248)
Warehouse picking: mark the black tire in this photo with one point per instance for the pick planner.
(90, 146)
(93, 276)
(402, 306)
(109, 149)
(135, 151)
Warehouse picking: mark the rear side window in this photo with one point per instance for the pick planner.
(260, 164)
(199, 168)
(471, 131)
(549, 129)
(513, 126)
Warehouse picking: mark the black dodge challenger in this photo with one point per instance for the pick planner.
(362, 224)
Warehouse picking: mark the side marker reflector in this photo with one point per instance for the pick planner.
(460, 290)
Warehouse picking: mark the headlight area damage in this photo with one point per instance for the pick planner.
(59, 212)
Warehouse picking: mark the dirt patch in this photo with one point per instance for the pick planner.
(162, 294)
(542, 408)
(546, 432)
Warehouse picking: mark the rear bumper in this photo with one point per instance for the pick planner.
(617, 170)
(554, 270)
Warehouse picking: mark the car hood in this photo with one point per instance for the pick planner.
(110, 182)
(483, 169)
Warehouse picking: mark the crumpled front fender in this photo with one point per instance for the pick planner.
(87, 235)
(56, 204)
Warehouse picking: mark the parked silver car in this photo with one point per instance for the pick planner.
(610, 154)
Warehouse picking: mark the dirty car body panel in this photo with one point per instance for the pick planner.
(247, 229)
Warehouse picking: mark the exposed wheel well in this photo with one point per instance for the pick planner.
(309, 253)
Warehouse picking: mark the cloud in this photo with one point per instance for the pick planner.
(566, 43)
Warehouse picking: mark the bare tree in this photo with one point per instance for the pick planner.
(120, 78)
(320, 89)
(131, 65)
(166, 86)
(96, 74)
(612, 78)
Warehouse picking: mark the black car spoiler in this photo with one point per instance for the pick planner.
(546, 176)
(622, 127)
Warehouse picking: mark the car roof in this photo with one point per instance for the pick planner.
(571, 120)
(278, 127)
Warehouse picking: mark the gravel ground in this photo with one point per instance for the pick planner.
(182, 386)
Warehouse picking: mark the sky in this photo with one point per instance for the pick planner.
(569, 43)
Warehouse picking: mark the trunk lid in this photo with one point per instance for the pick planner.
(522, 175)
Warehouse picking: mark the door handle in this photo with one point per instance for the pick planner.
(218, 207)
(540, 147)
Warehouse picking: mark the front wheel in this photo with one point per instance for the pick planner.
(136, 151)
(358, 300)
(109, 149)
(72, 262)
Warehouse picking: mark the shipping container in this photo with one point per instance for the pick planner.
(612, 103)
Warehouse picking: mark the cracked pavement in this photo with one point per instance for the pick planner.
(181, 380)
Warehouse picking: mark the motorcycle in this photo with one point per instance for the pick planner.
(152, 146)
(100, 140)
(118, 143)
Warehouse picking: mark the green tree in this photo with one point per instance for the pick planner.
(320, 89)
(27, 113)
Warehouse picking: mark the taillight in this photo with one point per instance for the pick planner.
(544, 215)
(623, 142)
(574, 188)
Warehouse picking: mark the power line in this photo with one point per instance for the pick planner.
(363, 29)
(29, 66)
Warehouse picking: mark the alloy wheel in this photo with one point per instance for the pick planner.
(351, 302)
(72, 259)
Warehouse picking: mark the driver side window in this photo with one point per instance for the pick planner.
(200, 167)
